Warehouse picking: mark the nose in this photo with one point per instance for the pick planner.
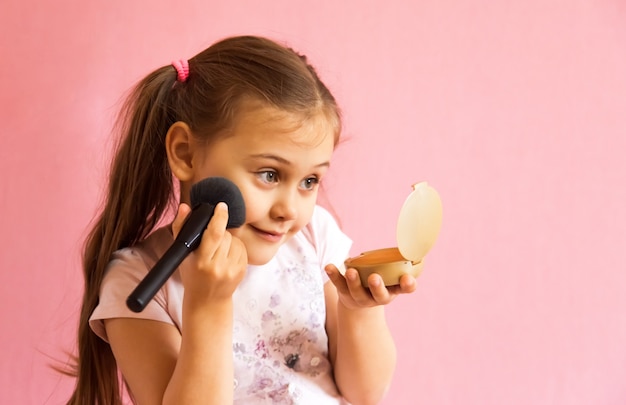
(284, 207)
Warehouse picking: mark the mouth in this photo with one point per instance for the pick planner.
(270, 236)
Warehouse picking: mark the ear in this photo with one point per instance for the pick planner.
(179, 145)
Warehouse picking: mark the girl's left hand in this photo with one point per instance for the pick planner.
(353, 295)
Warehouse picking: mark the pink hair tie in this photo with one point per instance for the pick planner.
(182, 68)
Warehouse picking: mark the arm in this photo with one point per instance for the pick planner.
(162, 367)
(204, 370)
(360, 344)
(195, 366)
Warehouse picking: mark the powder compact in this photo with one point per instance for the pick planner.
(416, 232)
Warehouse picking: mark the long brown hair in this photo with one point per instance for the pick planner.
(141, 188)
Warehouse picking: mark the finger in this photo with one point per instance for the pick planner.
(179, 220)
(214, 233)
(238, 252)
(220, 218)
(223, 248)
(360, 294)
(408, 284)
(378, 290)
(337, 278)
(239, 257)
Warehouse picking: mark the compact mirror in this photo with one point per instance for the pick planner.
(416, 232)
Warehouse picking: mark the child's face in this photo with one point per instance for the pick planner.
(277, 162)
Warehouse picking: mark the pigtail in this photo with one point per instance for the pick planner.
(139, 193)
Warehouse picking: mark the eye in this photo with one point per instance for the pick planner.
(268, 176)
(309, 183)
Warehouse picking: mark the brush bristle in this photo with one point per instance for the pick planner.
(213, 190)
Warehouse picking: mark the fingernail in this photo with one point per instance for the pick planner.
(375, 281)
(222, 206)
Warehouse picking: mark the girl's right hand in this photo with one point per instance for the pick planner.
(214, 270)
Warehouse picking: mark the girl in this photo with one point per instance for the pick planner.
(257, 314)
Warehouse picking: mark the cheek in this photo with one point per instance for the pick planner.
(305, 211)
(250, 199)
(256, 205)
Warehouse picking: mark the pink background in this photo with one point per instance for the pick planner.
(513, 110)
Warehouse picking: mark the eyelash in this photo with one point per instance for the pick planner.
(314, 181)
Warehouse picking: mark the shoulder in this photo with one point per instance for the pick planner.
(132, 263)
(127, 268)
(322, 221)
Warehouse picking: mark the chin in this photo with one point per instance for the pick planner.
(260, 258)
(257, 261)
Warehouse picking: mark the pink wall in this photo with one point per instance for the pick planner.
(514, 111)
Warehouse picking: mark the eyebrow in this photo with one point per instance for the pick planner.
(283, 160)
